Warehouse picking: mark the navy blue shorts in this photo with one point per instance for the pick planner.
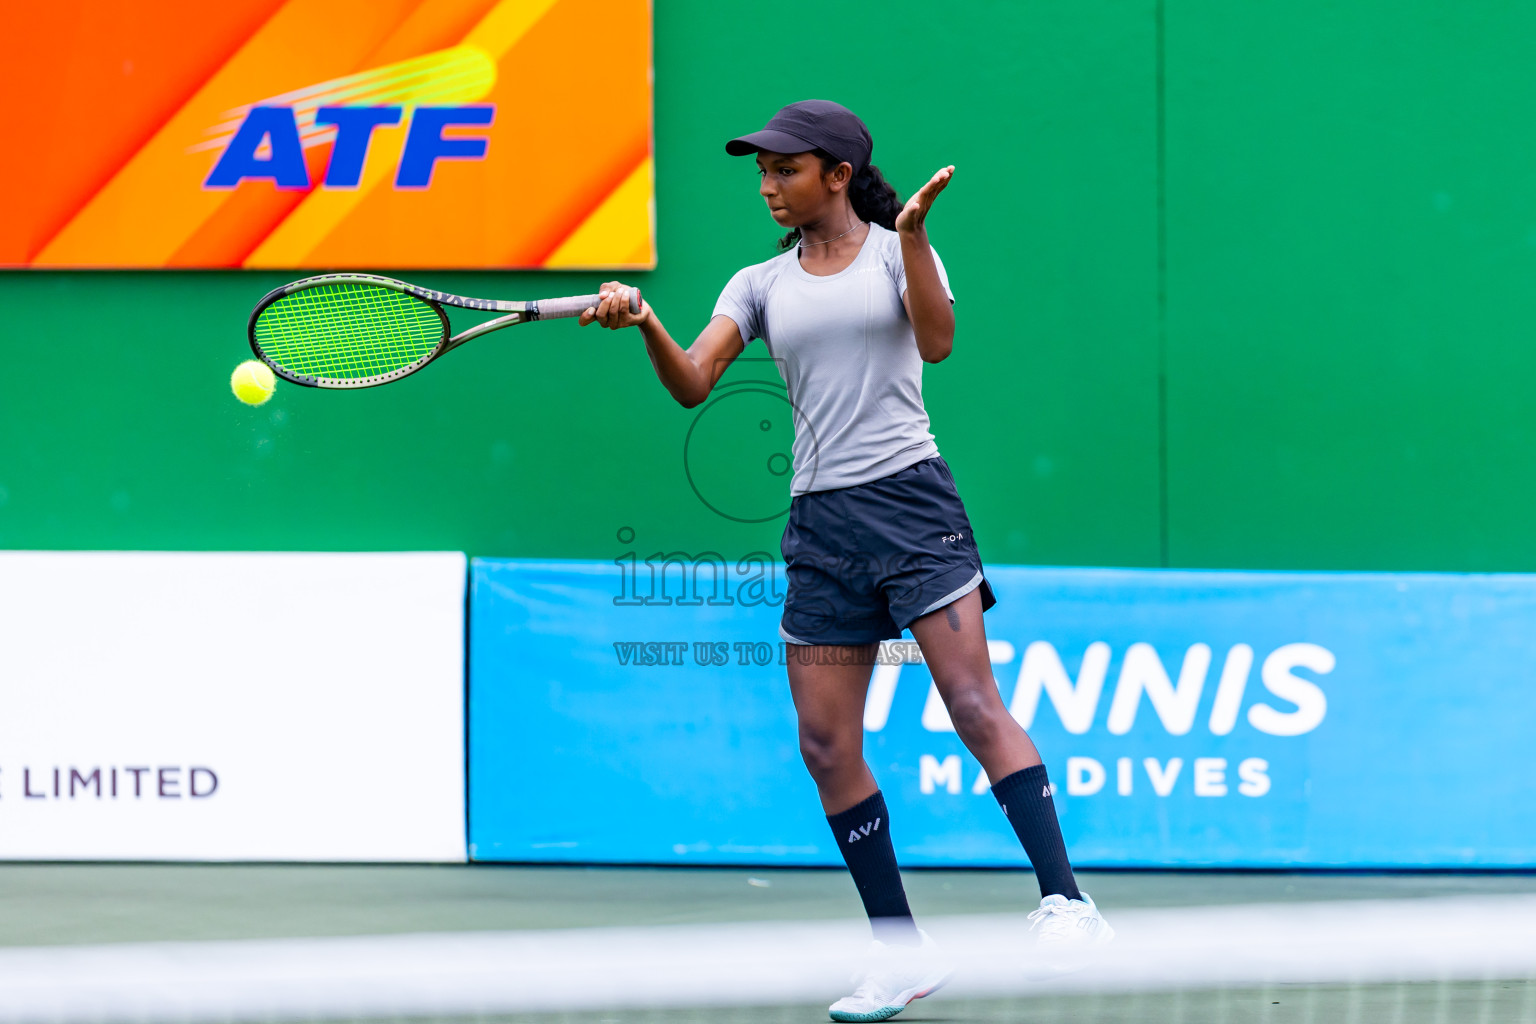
(863, 562)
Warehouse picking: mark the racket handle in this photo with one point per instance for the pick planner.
(550, 309)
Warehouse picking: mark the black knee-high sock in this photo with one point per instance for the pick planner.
(1026, 799)
(863, 834)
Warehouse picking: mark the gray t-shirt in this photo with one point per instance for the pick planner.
(846, 351)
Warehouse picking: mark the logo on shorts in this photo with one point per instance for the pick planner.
(950, 538)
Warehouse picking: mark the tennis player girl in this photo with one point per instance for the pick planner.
(878, 540)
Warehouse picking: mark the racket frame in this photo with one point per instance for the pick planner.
(516, 313)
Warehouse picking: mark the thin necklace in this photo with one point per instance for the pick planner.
(805, 245)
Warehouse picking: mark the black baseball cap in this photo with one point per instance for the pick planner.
(807, 125)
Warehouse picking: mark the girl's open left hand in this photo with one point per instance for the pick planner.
(911, 217)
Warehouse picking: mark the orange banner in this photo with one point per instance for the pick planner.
(327, 133)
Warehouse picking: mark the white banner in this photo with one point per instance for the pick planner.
(185, 706)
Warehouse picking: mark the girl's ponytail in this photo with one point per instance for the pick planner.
(873, 198)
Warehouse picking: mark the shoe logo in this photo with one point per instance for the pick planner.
(863, 830)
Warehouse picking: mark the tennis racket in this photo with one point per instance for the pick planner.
(360, 330)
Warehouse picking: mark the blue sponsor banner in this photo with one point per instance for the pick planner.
(623, 713)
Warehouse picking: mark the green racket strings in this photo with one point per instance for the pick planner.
(347, 331)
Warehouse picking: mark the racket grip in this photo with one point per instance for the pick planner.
(575, 305)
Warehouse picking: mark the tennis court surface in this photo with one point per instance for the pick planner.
(502, 944)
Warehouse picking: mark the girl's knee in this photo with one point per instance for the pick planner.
(977, 710)
(826, 754)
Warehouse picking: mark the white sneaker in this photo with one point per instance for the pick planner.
(1069, 924)
(896, 975)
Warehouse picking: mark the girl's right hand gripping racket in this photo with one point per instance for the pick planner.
(360, 330)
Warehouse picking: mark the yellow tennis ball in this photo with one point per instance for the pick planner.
(252, 382)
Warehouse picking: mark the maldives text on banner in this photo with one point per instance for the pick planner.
(183, 706)
(1187, 718)
(312, 133)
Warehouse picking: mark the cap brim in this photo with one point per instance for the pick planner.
(769, 140)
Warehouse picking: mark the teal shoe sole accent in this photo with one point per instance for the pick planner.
(884, 1013)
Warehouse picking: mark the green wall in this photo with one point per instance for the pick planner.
(1238, 285)
(1351, 197)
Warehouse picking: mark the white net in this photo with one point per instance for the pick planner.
(1453, 959)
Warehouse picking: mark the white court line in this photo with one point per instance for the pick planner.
(768, 963)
